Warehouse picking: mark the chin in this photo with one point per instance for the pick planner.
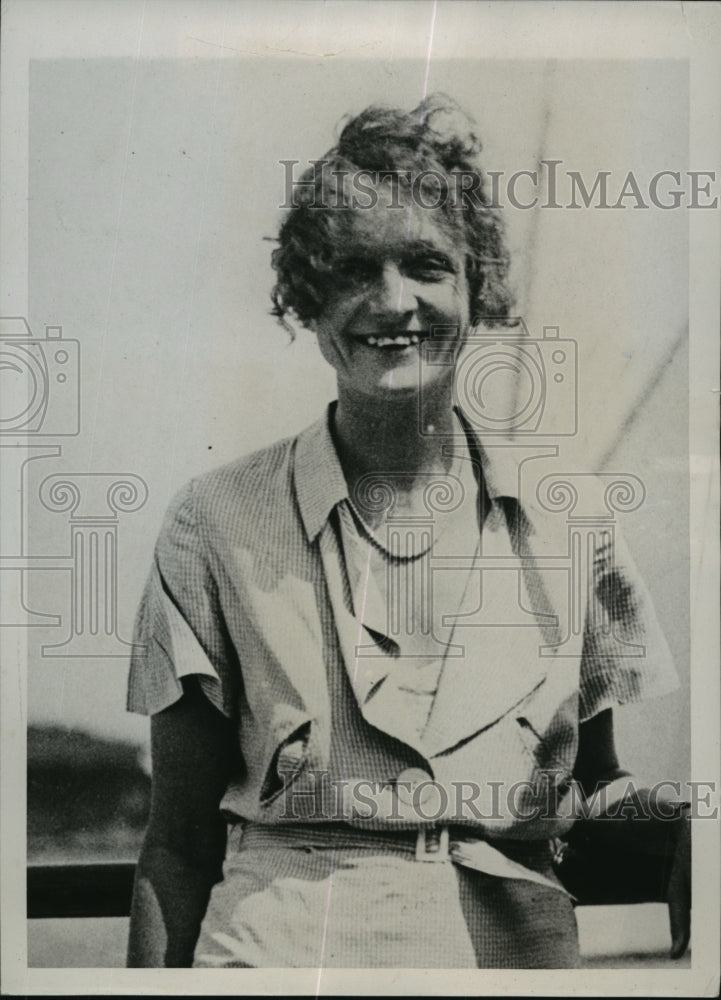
(407, 389)
(397, 384)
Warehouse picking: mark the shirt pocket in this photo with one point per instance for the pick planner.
(289, 755)
(538, 747)
(549, 744)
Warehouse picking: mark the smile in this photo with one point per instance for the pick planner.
(397, 341)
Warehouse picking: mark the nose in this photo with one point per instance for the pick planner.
(392, 291)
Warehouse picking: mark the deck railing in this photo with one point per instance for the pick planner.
(80, 890)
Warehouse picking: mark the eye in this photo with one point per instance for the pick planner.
(429, 267)
(355, 269)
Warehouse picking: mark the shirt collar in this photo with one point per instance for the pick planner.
(319, 480)
(499, 459)
(320, 483)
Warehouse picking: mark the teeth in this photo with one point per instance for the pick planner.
(404, 340)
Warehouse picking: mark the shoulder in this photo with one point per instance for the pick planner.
(236, 503)
(249, 479)
(592, 502)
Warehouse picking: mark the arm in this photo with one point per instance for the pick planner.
(597, 761)
(193, 748)
(636, 823)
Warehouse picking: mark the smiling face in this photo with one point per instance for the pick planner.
(398, 276)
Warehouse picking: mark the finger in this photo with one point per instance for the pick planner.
(679, 912)
(680, 943)
(679, 897)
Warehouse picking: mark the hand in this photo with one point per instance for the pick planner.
(679, 889)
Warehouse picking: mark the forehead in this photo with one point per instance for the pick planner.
(392, 224)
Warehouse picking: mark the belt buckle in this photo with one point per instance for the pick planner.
(432, 844)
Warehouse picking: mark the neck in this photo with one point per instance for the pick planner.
(397, 434)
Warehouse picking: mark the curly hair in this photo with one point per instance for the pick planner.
(435, 141)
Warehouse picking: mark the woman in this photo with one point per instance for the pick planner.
(389, 778)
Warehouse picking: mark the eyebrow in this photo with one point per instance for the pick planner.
(421, 248)
(411, 250)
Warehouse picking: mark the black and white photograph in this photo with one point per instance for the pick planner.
(359, 552)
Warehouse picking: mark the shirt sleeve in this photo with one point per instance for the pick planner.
(179, 629)
(625, 656)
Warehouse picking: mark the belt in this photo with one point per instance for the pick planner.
(428, 844)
